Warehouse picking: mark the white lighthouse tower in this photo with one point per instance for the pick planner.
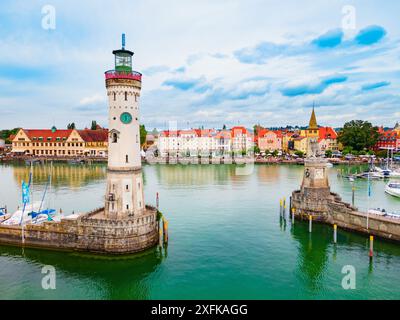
(124, 193)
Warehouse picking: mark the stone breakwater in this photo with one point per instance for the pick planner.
(89, 232)
(332, 210)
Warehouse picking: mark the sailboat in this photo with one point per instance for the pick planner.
(31, 211)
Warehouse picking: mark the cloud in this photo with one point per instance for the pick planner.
(370, 35)
(372, 86)
(198, 85)
(260, 53)
(153, 70)
(92, 100)
(313, 88)
(331, 39)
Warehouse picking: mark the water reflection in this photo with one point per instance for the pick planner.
(64, 175)
(312, 255)
(189, 175)
(127, 277)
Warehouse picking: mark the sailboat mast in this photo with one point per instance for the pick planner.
(50, 181)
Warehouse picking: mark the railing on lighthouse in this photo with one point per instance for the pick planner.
(113, 74)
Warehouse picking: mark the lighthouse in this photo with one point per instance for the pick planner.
(124, 194)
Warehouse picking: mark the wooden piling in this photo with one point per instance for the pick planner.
(310, 223)
(293, 209)
(335, 233)
(165, 230)
(371, 246)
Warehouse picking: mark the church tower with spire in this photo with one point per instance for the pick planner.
(312, 130)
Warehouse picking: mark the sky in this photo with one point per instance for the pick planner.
(204, 63)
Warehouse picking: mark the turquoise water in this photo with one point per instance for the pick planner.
(227, 240)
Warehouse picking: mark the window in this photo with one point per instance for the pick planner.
(126, 96)
(127, 207)
(127, 187)
(114, 137)
(126, 159)
(115, 96)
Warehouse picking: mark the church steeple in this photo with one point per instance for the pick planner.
(313, 121)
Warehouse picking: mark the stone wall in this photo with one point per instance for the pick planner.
(89, 234)
(332, 210)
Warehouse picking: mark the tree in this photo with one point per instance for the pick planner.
(143, 134)
(299, 153)
(358, 135)
(94, 125)
(71, 126)
(5, 134)
(224, 127)
(328, 153)
(256, 149)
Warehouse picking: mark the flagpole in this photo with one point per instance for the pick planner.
(369, 195)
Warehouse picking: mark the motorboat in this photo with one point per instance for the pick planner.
(393, 188)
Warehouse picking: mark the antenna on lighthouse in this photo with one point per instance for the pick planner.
(123, 41)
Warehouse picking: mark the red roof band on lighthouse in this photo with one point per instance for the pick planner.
(123, 65)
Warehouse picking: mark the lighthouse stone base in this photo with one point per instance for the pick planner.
(90, 232)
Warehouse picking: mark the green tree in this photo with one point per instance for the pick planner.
(275, 153)
(71, 126)
(358, 135)
(224, 127)
(256, 149)
(143, 134)
(328, 153)
(5, 134)
(299, 153)
(93, 125)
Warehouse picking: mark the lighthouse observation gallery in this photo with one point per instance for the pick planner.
(124, 224)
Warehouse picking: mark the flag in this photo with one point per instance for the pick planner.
(25, 193)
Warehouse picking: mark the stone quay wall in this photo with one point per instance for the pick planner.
(86, 233)
(332, 210)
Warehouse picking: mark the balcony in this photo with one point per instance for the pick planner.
(133, 75)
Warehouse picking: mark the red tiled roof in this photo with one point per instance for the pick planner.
(327, 132)
(224, 134)
(47, 134)
(263, 132)
(100, 135)
(238, 130)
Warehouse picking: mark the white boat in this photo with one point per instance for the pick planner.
(329, 165)
(379, 212)
(16, 218)
(394, 174)
(393, 188)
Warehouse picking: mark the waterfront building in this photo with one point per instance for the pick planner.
(204, 142)
(269, 140)
(95, 142)
(242, 140)
(300, 143)
(60, 143)
(327, 139)
(223, 142)
(389, 139)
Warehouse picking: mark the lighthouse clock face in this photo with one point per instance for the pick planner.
(126, 118)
